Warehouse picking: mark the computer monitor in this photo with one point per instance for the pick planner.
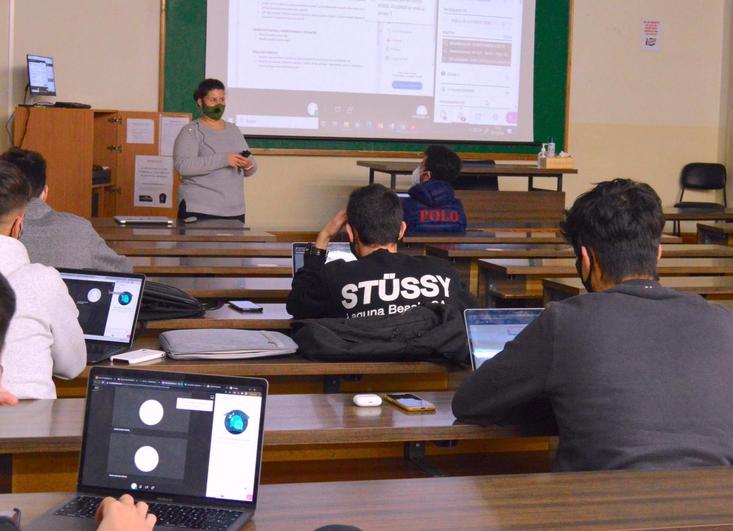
(41, 77)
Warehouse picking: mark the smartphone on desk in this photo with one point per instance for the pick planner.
(409, 402)
(245, 306)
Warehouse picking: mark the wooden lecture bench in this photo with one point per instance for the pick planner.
(677, 215)
(116, 234)
(718, 233)
(273, 317)
(393, 169)
(496, 275)
(502, 237)
(465, 256)
(42, 438)
(212, 266)
(110, 223)
(216, 249)
(270, 289)
(679, 499)
(556, 289)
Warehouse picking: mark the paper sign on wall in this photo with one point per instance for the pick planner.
(140, 131)
(170, 126)
(650, 31)
(153, 181)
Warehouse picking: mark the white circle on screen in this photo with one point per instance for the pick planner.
(94, 294)
(312, 108)
(146, 459)
(151, 412)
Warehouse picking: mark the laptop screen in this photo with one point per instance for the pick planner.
(335, 251)
(107, 303)
(168, 434)
(490, 329)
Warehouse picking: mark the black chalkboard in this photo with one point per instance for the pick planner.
(185, 54)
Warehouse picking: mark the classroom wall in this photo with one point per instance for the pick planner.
(633, 113)
(105, 52)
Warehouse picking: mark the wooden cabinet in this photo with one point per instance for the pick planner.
(73, 140)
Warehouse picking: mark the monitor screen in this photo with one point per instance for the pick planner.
(490, 329)
(195, 436)
(41, 77)
(107, 304)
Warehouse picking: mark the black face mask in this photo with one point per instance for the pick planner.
(579, 268)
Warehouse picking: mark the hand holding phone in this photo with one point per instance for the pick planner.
(409, 402)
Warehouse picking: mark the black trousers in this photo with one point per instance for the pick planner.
(183, 214)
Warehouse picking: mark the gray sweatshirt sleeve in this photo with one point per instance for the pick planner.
(186, 157)
(252, 159)
(104, 258)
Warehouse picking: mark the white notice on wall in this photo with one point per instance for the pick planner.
(153, 181)
(650, 31)
(170, 126)
(140, 131)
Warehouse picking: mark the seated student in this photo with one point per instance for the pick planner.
(44, 338)
(382, 281)
(7, 309)
(637, 375)
(432, 206)
(59, 239)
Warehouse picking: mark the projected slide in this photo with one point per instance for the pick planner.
(409, 69)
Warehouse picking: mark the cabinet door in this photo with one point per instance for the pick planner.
(138, 174)
(65, 138)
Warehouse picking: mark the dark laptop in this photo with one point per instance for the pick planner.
(108, 305)
(335, 251)
(188, 445)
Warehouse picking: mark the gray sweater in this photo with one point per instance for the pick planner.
(638, 376)
(209, 185)
(59, 239)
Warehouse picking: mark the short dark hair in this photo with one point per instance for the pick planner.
(206, 86)
(32, 164)
(442, 163)
(7, 308)
(375, 213)
(15, 189)
(622, 221)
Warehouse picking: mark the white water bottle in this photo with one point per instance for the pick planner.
(541, 156)
(551, 147)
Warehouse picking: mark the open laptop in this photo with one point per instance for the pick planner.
(108, 305)
(335, 251)
(489, 329)
(144, 220)
(189, 445)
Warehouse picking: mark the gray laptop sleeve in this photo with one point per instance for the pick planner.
(225, 344)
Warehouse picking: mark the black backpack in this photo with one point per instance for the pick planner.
(161, 301)
(431, 332)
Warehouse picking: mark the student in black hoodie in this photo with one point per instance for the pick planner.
(432, 206)
(382, 281)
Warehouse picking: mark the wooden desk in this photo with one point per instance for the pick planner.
(556, 289)
(184, 235)
(393, 169)
(39, 430)
(216, 249)
(110, 223)
(717, 233)
(497, 275)
(272, 317)
(225, 288)
(465, 256)
(212, 266)
(676, 215)
(679, 499)
(502, 237)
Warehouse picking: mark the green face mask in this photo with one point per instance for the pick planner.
(214, 112)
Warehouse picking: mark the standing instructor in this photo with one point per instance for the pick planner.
(208, 154)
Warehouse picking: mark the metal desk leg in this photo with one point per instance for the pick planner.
(393, 181)
(530, 183)
(559, 183)
(371, 175)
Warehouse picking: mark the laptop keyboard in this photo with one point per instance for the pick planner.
(169, 515)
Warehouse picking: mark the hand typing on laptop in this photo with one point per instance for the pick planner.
(124, 515)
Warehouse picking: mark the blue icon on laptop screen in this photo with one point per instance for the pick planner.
(236, 421)
(125, 298)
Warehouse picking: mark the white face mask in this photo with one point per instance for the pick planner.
(416, 173)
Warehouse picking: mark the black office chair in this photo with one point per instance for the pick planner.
(701, 176)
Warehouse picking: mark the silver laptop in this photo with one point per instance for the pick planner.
(489, 329)
(189, 445)
(335, 251)
(108, 305)
(144, 220)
